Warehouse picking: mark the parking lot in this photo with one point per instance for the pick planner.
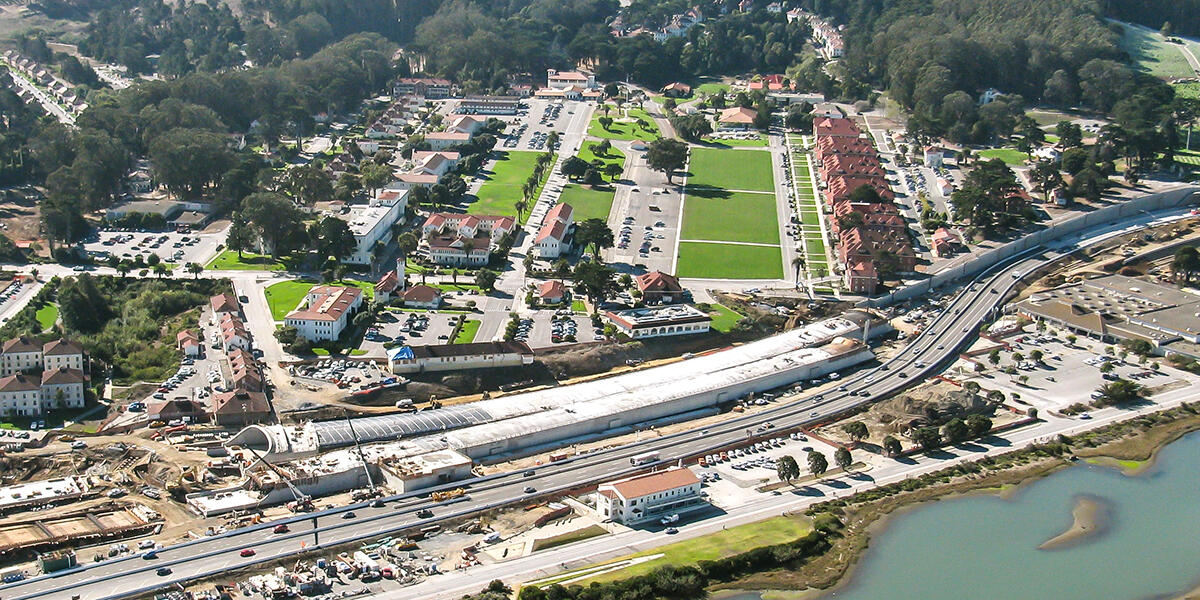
(645, 220)
(422, 328)
(170, 247)
(730, 480)
(551, 328)
(529, 129)
(343, 373)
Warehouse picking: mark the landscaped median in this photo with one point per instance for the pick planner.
(228, 260)
(624, 125)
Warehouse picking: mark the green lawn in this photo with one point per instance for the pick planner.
(466, 334)
(1152, 54)
(285, 296)
(578, 306)
(723, 318)
(228, 261)
(710, 88)
(1188, 90)
(729, 261)
(1010, 156)
(748, 170)
(614, 155)
(47, 315)
(587, 202)
(1188, 157)
(761, 142)
(721, 544)
(730, 216)
(503, 186)
(622, 129)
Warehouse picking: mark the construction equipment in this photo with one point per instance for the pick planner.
(303, 502)
(447, 494)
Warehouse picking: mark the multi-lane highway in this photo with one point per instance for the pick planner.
(940, 341)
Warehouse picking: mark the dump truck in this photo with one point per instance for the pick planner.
(447, 494)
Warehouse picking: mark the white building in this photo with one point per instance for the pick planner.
(460, 239)
(62, 388)
(565, 79)
(933, 157)
(554, 238)
(20, 355)
(449, 357)
(62, 354)
(20, 395)
(660, 321)
(374, 223)
(427, 169)
(649, 497)
(327, 310)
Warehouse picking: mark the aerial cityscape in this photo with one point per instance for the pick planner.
(599, 299)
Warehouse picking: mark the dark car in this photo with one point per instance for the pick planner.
(349, 515)
(163, 571)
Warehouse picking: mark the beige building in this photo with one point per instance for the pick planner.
(651, 496)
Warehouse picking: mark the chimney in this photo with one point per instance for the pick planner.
(400, 273)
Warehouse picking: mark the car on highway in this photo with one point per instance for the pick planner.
(247, 552)
(377, 503)
(349, 514)
(281, 528)
(425, 513)
(151, 555)
(529, 489)
(672, 531)
(528, 473)
(163, 571)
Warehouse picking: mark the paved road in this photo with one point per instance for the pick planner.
(935, 346)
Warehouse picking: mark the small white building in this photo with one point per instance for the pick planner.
(554, 238)
(62, 388)
(327, 310)
(451, 357)
(933, 157)
(565, 79)
(20, 395)
(62, 354)
(660, 321)
(20, 355)
(649, 497)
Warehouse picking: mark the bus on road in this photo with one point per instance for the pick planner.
(642, 459)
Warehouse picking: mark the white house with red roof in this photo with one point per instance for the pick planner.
(554, 237)
(736, 118)
(565, 79)
(326, 313)
(456, 239)
(551, 292)
(428, 168)
(657, 286)
(649, 496)
(421, 296)
(373, 223)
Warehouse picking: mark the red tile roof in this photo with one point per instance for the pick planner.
(551, 289)
(328, 303)
(61, 348)
(657, 281)
(224, 303)
(653, 483)
(423, 294)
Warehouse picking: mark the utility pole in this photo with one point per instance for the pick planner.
(358, 449)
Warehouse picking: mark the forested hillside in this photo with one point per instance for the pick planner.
(1183, 16)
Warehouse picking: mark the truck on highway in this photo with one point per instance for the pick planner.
(448, 494)
(642, 459)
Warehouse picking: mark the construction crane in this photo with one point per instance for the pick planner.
(358, 449)
(302, 502)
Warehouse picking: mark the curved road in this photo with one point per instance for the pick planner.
(938, 343)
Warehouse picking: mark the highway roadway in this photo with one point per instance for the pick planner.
(935, 346)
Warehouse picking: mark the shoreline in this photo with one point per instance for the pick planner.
(826, 574)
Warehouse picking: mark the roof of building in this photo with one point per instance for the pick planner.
(237, 402)
(551, 289)
(224, 303)
(657, 281)
(22, 344)
(556, 223)
(654, 483)
(388, 283)
(835, 126)
(62, 375)
(569, 75)
(473, 349)
(61, 347)
(677, 86)
(656, 316)
(738, 115)
(421, 293)
(328, 303)
(19, 383)
(186, 334)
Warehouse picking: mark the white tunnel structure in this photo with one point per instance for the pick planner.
(508, 424)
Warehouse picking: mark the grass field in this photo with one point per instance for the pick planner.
(285, 296)
(503, 186)
(614, 155)
(748, 170)
(710, 88)
(1188, 90)
(587, 202)
(466, 334)
(624, 130)
(1010, 156)
(1190, 158)
(47, 315)
(1152, 54)
(721, 544)
(729, 261)
(761, 142)
(730, 217)
(723, 318)
(228, 261)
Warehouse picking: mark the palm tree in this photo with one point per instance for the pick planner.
(160, 270)
(798, 263)
(521, 206)
(195, 269)
(123, 268)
